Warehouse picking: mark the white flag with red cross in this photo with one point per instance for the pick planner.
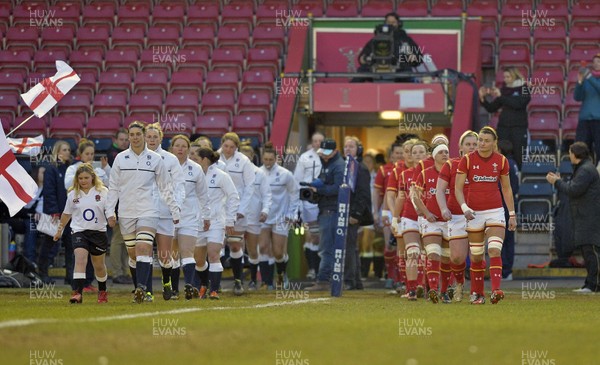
(17, 188)
(30, 146)
(44, 96)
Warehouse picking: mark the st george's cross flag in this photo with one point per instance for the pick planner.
(44, 96)
(30, 146)
(17, 188)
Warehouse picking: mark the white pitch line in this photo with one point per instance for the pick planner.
(31, 321)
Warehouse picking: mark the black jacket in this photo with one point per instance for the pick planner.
(54, 193)
(332, 175)
(360, 200)
(513, 101)
(584, 197)
(112, 152)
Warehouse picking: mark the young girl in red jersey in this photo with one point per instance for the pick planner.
(434, 229)
(483, 210)
(450, 211)
(409, 227)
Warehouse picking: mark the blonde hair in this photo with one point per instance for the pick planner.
(233, 137)
(246, 147)
(83, 144)
(183, 138)
(514, 73)
(420, 143)
(96, 182)
(56, 149)
(438, 139)
(199, 140)
(468, 133)
(156, 126)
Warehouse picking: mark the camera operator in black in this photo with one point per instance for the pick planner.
(327, 187)
(410, 56)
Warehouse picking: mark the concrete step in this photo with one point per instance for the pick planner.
(533, 238)
(532, 249)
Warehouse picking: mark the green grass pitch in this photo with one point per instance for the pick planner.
(297, 327)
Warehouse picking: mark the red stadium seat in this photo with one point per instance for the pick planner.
(234, 34)
(258, 79)
(221, 101)
(412, 8)
(101, 13)
(555, 34)
(34, 127)
(186, 80)
(269, 35)
(305, 7)
(168, 14)
(145, 104)
(118, 59)
(182, 103)
(217, 124)
(572, 106)
(12, 81)
(9, 105)
(582, 52)
(585, 9)
(272, 13)
(447, 8)
(128, 36)
(377, 8)
(556, 12)
(238, 12)
(199, 35)
(263, 57)
(46, 60)
(6, 120)
(549, 54)
(86, 59)
(552, 76)
(228, 58)
(222, 80)
(31, 11)
(22, 37)
(102, 126)
(194, 59)
(250, 124)
(483, 8)
(584, 33)
(74, 102)
(66, 127)
(163, 36)
(109, 103)
(543, 125)
(68, 12)
(252, 101)
(514, 55)
(546, 102)
(151, 80)
(87, 82)
(159, 59)
(137, 13)
(94, 36)
(569, 127)
(118, 81)
(342, 9)
(514, 34)
(516, 9)
(203, 13)
(20, 60)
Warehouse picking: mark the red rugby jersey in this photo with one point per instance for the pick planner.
(427, 183)
(382, 176)
(483, 175)
(448, 174)
(422, 165)
(404, 183)
(392, 181)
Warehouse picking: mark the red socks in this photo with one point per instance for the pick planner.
(458, 272)
(495, 272)
(445, 274)
(433, 274)
(477, 276)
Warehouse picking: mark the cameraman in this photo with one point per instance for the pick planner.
(406, 51)
(327, 187)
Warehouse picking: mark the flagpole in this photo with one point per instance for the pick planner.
(20, 125)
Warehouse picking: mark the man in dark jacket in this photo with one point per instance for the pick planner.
(360, 215)
(120, 144)
(327, 186)
(584, 194)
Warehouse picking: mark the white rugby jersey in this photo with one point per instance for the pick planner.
(261, 197)
(103, 174)
(132, 180)
(308, 167)
(195, 208)
(88, 211)
(223, 197)
(285, 194)
(241, 171)
(176, 175)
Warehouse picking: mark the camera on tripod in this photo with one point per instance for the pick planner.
(307, 194)
(383, 58)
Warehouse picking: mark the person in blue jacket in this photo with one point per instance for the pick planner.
(587, 91)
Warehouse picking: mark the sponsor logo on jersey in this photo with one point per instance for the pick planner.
(477, 178)
(149, 157)
(97, 197)
(76, 201)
